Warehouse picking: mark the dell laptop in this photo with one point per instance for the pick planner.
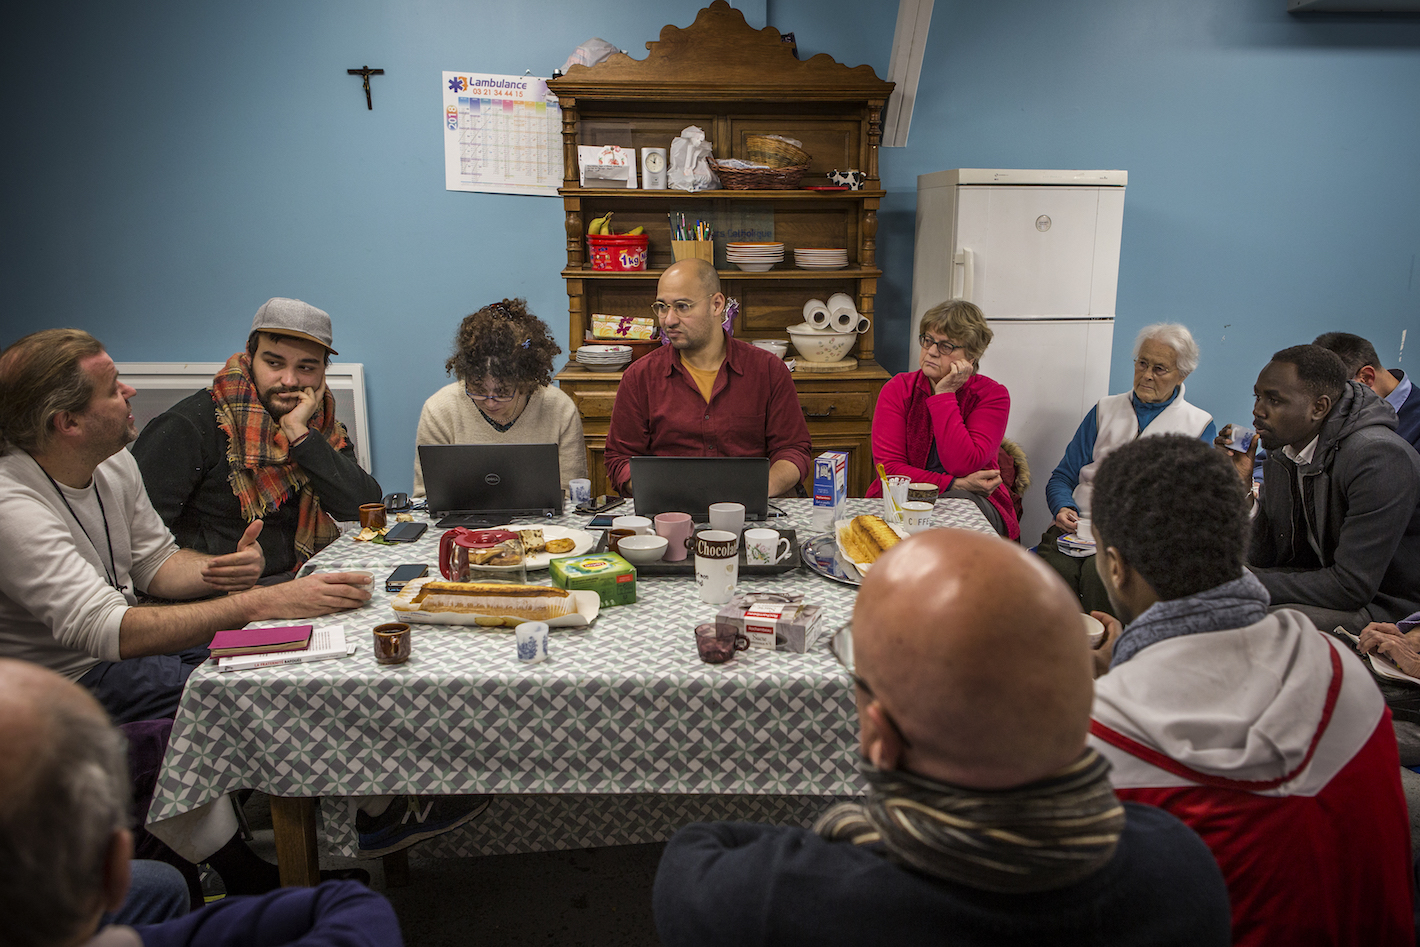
(490, 484)
(691, 484)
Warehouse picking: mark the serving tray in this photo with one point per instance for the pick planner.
(687, 565)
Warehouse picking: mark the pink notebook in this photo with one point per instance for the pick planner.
(260, 640)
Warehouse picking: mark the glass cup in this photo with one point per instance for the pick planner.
(894, 488)
(392, 643)
(717, 643)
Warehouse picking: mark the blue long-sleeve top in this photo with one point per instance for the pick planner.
(1060, 490)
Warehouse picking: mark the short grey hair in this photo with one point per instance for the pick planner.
(1176, 337)
(56, 827)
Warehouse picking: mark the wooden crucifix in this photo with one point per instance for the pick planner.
(367, 72)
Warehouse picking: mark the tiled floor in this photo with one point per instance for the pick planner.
(581, 898)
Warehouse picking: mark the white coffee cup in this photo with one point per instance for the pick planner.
(765, 547)
(727, 516)
(916, 516)
(641, 524)
(717, 564)
(1084, 530)
(532, 641)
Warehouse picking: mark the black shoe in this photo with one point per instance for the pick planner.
(411, 819)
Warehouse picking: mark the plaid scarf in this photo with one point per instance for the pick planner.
(263, 476)
(1048, 834)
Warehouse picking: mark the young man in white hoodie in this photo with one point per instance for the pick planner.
(1265, 736)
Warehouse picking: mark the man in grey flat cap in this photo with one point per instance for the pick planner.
(259, 457)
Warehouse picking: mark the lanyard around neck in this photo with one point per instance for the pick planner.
(110, 573)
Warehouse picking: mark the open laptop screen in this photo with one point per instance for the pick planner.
(691, 484)
(491, 482)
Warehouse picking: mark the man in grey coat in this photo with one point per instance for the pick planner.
(1336, 534)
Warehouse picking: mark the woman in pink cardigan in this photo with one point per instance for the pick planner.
(944, 423)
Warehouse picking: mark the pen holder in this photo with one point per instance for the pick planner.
(693, 250)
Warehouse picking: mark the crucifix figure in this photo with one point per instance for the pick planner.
(367, 72)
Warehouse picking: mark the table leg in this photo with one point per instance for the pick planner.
(396, 868)
(294, 820)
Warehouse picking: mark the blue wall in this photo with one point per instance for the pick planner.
(172, 164)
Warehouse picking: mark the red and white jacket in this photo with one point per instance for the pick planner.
(1274, 745)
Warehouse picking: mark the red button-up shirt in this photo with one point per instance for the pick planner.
(753, 412)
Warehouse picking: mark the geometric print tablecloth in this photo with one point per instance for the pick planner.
(622, 735)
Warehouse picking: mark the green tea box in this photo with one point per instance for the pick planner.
(606, 573)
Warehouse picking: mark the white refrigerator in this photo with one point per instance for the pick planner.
(1038, 251)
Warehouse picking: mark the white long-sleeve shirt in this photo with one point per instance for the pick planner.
(57, 607)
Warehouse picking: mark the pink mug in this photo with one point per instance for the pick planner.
(677, 528)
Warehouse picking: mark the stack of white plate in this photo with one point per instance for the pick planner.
(604, 358)
(754, 257)
(820, 258)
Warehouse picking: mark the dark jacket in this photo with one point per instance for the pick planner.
(1359, 503)
(748, 885)
(183, 455)
(335, 914)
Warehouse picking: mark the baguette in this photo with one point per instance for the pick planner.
(491, 603)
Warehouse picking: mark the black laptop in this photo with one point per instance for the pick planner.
(691, 484)
(490, 484)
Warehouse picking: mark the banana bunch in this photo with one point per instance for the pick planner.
(601, 227)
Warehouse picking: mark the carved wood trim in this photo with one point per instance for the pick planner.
(720, 56)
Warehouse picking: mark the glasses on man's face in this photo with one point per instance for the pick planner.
(481, 398)
(841, 644)
(680, 306)
(940, 346)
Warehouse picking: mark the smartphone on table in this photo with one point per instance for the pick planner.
(403, 575)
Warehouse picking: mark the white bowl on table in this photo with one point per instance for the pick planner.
(821, 346)
(641, 550)
(779, 347)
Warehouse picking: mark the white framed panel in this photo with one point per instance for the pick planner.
(161, 385)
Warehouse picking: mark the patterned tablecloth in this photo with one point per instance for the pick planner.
(621, 736)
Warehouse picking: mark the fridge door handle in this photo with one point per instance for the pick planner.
(967, 261)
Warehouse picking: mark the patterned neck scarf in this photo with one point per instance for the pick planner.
(1045, 835)
(263, 475)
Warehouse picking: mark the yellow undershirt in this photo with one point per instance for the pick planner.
(705, 381)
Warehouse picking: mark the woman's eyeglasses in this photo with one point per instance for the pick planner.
(482, 398)
(680, 306)
(941, 346)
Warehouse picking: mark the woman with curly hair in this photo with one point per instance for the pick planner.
(503, 362)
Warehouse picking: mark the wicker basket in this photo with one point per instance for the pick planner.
(780, 179)
(764, 149)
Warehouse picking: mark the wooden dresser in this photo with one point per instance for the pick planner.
(732, 81)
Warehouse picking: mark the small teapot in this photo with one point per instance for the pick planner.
(459, 549)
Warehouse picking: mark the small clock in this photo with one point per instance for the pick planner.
(653, 162)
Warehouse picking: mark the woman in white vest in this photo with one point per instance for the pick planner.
(1164, 355)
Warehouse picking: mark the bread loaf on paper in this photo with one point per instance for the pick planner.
(498, 603)
(867, 538)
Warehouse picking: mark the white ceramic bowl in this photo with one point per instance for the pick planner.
(780, 347)
(640, 550)
(821, 346)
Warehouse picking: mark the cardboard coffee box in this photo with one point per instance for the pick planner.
(606, 573)
(778, 625)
